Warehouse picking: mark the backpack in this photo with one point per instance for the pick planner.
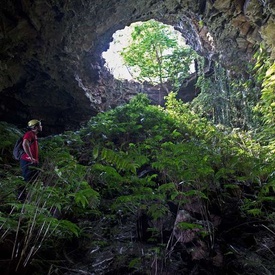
(18, 150)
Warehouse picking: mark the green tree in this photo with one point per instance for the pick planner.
(155, 55)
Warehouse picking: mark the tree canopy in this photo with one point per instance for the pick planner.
(156, 55)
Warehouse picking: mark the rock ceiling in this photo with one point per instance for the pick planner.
(51, 66)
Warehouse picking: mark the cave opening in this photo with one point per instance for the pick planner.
(122, 39)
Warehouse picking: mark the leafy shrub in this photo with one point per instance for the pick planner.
(167, 176)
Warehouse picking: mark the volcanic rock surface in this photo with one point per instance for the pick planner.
(51, 66)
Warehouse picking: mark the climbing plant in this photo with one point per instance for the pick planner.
(265, 107)
(226, 97)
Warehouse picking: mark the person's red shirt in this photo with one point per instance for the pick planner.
(32, 138)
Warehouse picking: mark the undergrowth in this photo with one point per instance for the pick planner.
(181, 188)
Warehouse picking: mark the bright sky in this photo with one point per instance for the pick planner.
(121, 39)
(114, 62)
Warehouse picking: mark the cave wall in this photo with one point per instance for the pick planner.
(50, 51)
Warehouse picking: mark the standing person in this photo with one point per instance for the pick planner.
(29, 160)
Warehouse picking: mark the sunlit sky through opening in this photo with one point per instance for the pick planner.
(121, 39)
(114, 61)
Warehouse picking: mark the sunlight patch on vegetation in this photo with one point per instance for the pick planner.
(197, 182)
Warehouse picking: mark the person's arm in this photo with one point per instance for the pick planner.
(27, 149)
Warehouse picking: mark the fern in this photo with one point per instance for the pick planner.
(186, 226)
(122, 161)
(87, 197)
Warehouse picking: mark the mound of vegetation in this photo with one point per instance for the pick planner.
(141, 190)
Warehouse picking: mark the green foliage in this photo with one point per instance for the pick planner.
(9, 135)
(33, 225)
(140, 161)
(154, 55)
(266, 106)
(47, 216)
(186, 225)
(126, 125)
(185, 162)
(225, 97)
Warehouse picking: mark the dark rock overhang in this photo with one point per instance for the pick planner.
(51, 66)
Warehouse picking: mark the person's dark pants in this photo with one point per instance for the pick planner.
(29, 174)
(28, 170)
